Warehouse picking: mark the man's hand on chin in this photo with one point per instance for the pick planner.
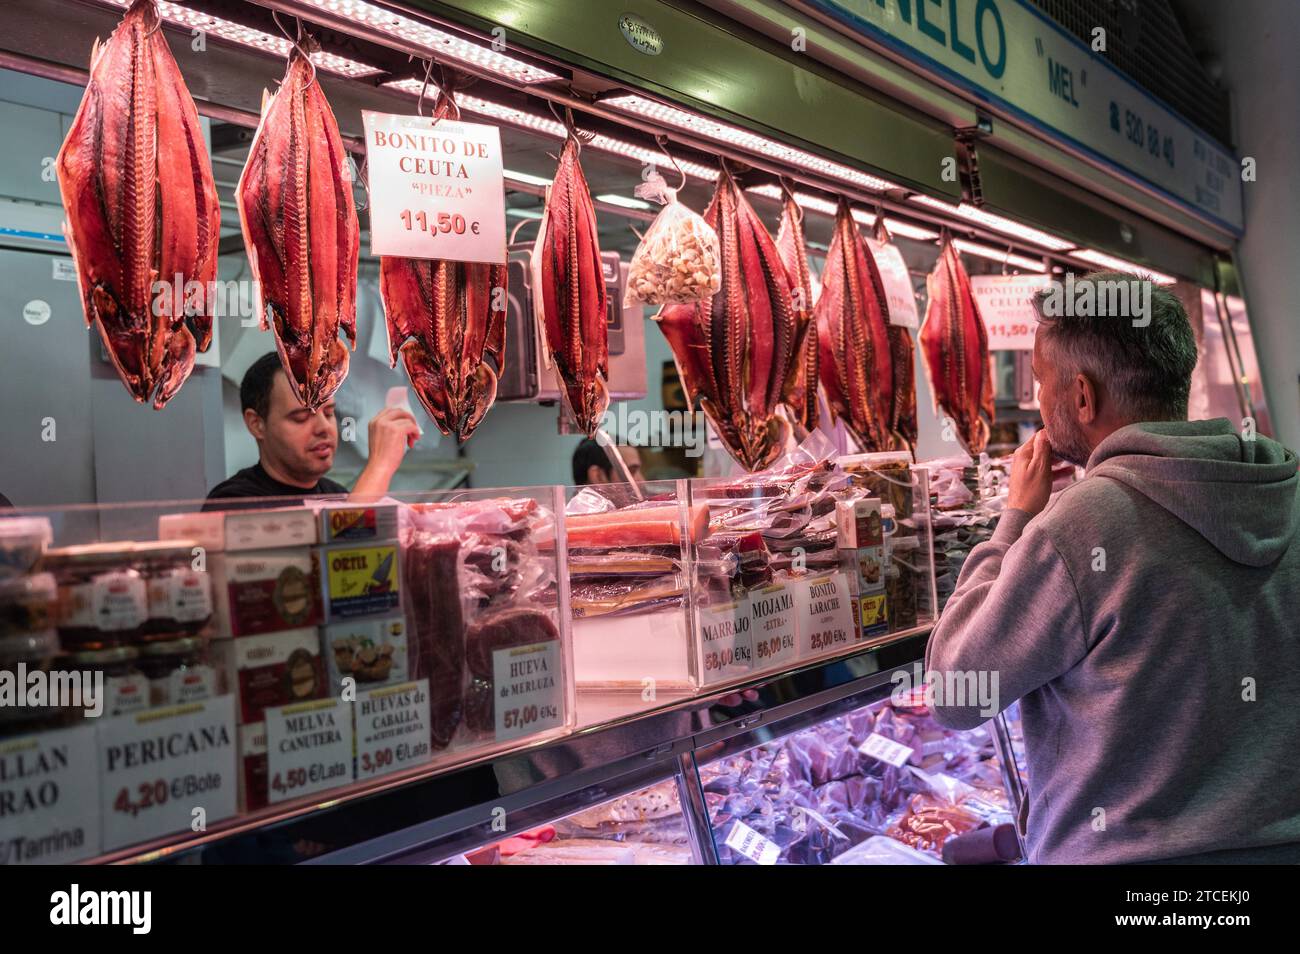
(1031, 476)
(392, 431)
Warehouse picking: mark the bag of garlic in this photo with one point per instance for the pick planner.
(678, 260)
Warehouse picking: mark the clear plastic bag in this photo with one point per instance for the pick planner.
(679, 260)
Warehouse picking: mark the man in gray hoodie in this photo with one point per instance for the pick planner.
(1148, 616)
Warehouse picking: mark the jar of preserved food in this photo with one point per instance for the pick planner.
(178, 671)
(125, 687)
(27, 604)
(21, 654)
(179, 596)
(22, 539)
(102, 598)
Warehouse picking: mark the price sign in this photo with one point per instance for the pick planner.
(436, 189)
(745, 841)
(825, 620)
(49, 800)
(159, 767)
(1004, 304)
(529, 690)
(725, 643)
(308, 748)
(392, 728)
(887, 750)
(772, 613)
(897, 283)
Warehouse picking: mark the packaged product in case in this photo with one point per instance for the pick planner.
(252, 767)
(371, 651)
(236, 530)
(266, 591)
(340, 523)
(861, 540)
(272, 669)
(361, 581)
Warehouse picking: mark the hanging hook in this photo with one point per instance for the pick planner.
(419, 103)
(787, 187)
(1005, 260)
(157, 23)
(662, 140)
(296, 41)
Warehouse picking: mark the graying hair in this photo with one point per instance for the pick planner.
(1146, 368)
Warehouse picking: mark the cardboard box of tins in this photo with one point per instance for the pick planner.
(266, 591)
(272, 669)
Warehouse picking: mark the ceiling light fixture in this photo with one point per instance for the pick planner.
(995, 222)
(623, 201)
(526, 178)
(754, 143)
(999, 255)
(865, 219)
(1103, 260)
(257, 39)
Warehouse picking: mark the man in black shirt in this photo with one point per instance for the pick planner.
(296, 447)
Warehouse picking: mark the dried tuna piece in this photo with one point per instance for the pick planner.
(902, 420)
(517, 626)
(734, 352)
(301, 233)
(853, 335)
(431, 584)
(955, 349)
(801, 388)
(141, 208)
(451, 338)
(570, 301)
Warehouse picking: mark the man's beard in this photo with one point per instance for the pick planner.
(1067, 440)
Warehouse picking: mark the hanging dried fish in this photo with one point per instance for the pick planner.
(955, 349)
(141, 208)
(569, 300)
(853, 334)
(300, 231)
(903, 361)
(801, 388)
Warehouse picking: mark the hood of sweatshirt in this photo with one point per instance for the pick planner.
(1240, 495)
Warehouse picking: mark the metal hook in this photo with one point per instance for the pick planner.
(1006, 259)
(662, 140)
(296, 41)
(157, 22)
(419, 102)
(787, 187)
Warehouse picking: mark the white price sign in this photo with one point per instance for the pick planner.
(436, 189)
(392, 728)
(166, 770)
(825, 614)
(725, 642)
(49, 807)
(887, 750)
(745, 841)
(897, 283)
(308, 748)
(1003, 301)
(772, 612)
(528, 688)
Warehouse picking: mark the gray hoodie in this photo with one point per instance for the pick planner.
(1149, 620)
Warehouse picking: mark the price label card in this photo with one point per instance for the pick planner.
(308, 748)
(887, 750)
(49, 800)
(825, 619)
(166, 770)
(392, 728)
(772, 613)
(436, 189)
(897, 282)
(745, 841)
(725, 643)
(529, 690)
(1004, 304)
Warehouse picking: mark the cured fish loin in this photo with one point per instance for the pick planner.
(649, 526)
(902, 421)
(141, 209)
(801, 388)
(301, 233)
(570, 301)
(955, 350)
(853, 336)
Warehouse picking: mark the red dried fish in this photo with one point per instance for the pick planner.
(955, 349)
(649, 526)
(142, 208)
(452, 340)
(570, 301)
(801, 388)
(903, 361)
(853, 334)
(734, 351)
(301, 233)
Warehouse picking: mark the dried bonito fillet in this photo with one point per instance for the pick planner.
(300, 231)
(902, 421)
(853, 334)
(955, 349)
(801, 388)
(141, 208)
(734, 351)
(569, 300)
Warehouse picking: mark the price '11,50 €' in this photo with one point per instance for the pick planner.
(445, 223)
